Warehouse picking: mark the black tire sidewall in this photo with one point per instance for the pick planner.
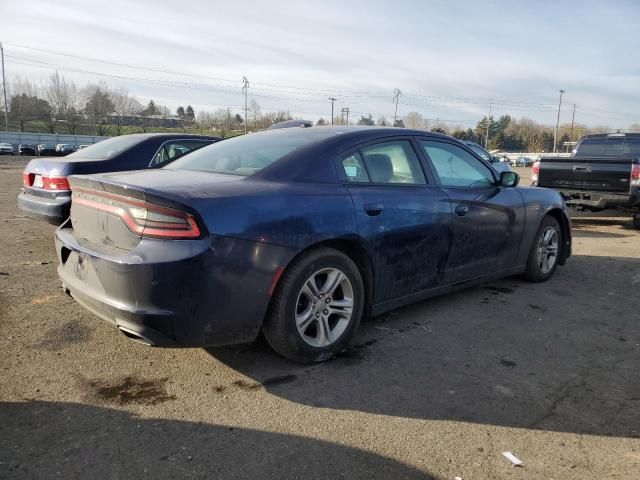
(290, 291)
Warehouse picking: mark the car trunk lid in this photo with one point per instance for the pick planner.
(119, 209)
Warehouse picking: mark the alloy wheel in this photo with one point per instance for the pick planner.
(324, 307)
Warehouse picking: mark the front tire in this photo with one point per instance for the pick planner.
(636, 221)
(545, 251)
(316, 307)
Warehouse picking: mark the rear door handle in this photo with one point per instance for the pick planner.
(373, 209)
(462, 210)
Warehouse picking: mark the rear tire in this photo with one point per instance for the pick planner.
(545, 251)
(316, 307)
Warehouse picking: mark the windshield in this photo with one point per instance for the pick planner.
(482, 152)
(108, 148)
(248, 154)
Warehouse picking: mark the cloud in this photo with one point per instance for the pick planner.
(296, 54)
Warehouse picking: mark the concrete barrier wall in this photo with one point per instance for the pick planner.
(17, 138)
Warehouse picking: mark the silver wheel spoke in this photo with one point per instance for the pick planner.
(342, 307)
(334, 279)
(304, 319)
(310, 289)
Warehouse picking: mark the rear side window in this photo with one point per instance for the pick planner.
(393, 162)
(173, 150)
(354, 168)
(631, 147)
(601, 147)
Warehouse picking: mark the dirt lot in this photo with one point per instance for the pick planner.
(438, 389)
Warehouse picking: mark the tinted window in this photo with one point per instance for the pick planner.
(175, 149)
(457, 167)
(248, 154)
(600, 147)
(108, 148)
(392, 162)
(354, 168)
(631, 147)
(482, 153)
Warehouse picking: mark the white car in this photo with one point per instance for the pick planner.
(6, 149)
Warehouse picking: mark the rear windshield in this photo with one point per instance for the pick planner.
(628, 147)
(248, 154)
(108, 148)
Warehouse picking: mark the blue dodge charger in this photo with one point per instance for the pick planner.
(298, 233)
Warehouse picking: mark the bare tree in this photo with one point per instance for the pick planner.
(254, 108)
(123, 105)
(414, 120)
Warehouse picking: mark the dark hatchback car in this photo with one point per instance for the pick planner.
(46, 193)
(298, 233)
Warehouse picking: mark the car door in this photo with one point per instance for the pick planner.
(403, 217)
(174, 149)
(488, 219)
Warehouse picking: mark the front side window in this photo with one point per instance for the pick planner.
(393, 162)
(457, 167)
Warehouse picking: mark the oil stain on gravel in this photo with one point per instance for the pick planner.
(67, 334)
(132, 390)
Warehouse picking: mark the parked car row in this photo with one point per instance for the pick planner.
(295, 233)
(43, 149)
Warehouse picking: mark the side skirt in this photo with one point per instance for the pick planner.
(381, 308)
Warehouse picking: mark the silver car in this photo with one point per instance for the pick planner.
(6, 149)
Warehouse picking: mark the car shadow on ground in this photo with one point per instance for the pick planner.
(68, 440)
(558, 356)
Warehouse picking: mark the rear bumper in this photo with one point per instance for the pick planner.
(189, 293)
(53, 210)
(600, 200)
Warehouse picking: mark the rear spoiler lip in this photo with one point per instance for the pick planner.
(90, 182)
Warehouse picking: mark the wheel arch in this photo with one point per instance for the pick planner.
(355, 250)
(565, 229)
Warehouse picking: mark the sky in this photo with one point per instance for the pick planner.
(451, 60)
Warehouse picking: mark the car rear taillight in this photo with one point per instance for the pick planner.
(142, 218)
(535, 169)
(27, 179)
(635, 175)
(55, 183)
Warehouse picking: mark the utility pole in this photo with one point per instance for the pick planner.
(332, 100)
(573, 117)
(245, 87)
(4, 92)
(343, 111)
(229, 118)
(486, 137)
(396, 99)
(555, 134)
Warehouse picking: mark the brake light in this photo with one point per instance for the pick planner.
(535, 169)
(635, 175)
(142, 218)
(55, 183)
(27, 179)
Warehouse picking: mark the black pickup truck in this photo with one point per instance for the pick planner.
(603, 172)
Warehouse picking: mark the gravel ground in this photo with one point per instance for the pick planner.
(435, 390)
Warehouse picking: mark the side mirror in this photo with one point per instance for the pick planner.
(509, 179)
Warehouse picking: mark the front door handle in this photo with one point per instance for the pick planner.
(462, 210)
(373, 209)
